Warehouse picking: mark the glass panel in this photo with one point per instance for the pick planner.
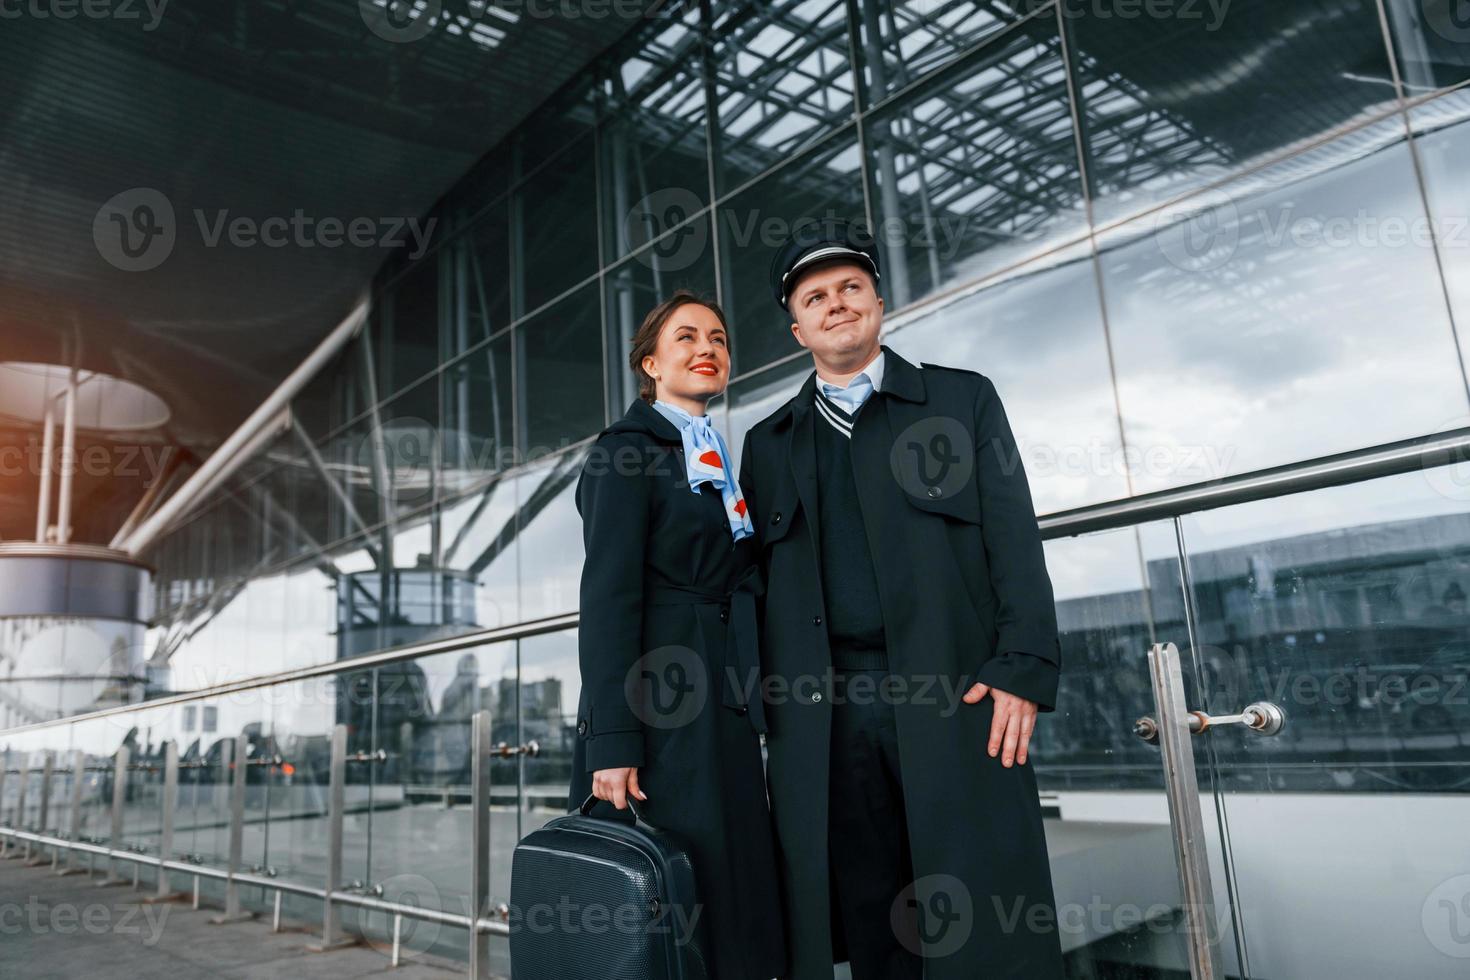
(481, 546)
(757, 221)
(681, 260)
(1443, 140)
(901, 42)
(559, 374)
(1054, 383)
(752, 399)
(480, 284)
(405, 328)
(97, 740)
(654, 155)
(554, 223)
(1180, 94)
(310, 630)
(143, 804)
(550, 532)
(479, 425)
(206, 760)
(420, 827)
(1345, 607)
(335, 395)
(550, 688)
(1247, 327)
(979, 169)
(1119, 905)
(296, 791)
(385, 462)
(1432, 41)
(782, 81)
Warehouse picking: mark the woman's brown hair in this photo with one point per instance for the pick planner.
(645, 341)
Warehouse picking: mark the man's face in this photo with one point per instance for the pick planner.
(838, 312)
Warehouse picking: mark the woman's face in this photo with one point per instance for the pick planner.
(692, 358)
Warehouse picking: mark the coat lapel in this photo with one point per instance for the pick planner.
(803, 455)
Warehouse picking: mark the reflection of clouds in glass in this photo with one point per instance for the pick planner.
(1357, 508)
(1277, 354)
(551, 537)
(476, 535)
(1039, 338)
(1447, 186)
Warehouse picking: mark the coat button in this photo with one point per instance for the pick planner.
(582, 727)
(776, 517)
(934, 492)
(816, 696)
(741, 710)
(724, 615)
(816, 620)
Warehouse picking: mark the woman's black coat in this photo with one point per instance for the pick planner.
(659, 628)
(965, 596)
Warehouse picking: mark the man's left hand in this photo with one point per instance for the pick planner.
(1010, 726)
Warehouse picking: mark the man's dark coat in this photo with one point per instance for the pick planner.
(965, 597)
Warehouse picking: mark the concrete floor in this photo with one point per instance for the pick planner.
(64, 927)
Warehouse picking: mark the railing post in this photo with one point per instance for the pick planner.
(166, 825)
(232, 911)
(20, 803)
(74, 832)
(1185, 816)
(479, 843)
(45, 810)
(4, 772)
(119, 798)
(332, 937)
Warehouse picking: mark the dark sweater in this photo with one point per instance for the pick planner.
(849, 583)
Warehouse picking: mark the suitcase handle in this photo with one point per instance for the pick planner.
(592, 801)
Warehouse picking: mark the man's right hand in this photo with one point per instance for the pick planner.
(614, 785)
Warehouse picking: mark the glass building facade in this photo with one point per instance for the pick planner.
(1187, 243)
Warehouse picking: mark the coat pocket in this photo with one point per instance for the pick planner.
(779, 515)
(963, 505)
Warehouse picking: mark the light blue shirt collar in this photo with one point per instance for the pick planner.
(852, 395)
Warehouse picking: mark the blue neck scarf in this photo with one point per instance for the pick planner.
(707, 460)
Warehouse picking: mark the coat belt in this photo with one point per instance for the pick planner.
(742, 635)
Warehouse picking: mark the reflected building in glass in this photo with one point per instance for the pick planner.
(1210, 255)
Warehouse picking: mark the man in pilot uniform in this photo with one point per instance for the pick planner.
(908, 641)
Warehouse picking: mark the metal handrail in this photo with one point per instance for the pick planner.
(484, 925)
(1390, 459)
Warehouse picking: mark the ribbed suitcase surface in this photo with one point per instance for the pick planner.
(595, 899)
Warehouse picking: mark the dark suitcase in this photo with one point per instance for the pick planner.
(595, 899)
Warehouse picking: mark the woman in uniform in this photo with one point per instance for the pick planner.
(670, 715)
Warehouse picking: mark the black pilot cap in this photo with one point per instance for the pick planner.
(819, 241)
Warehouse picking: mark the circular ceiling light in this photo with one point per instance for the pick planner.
(104, 403)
